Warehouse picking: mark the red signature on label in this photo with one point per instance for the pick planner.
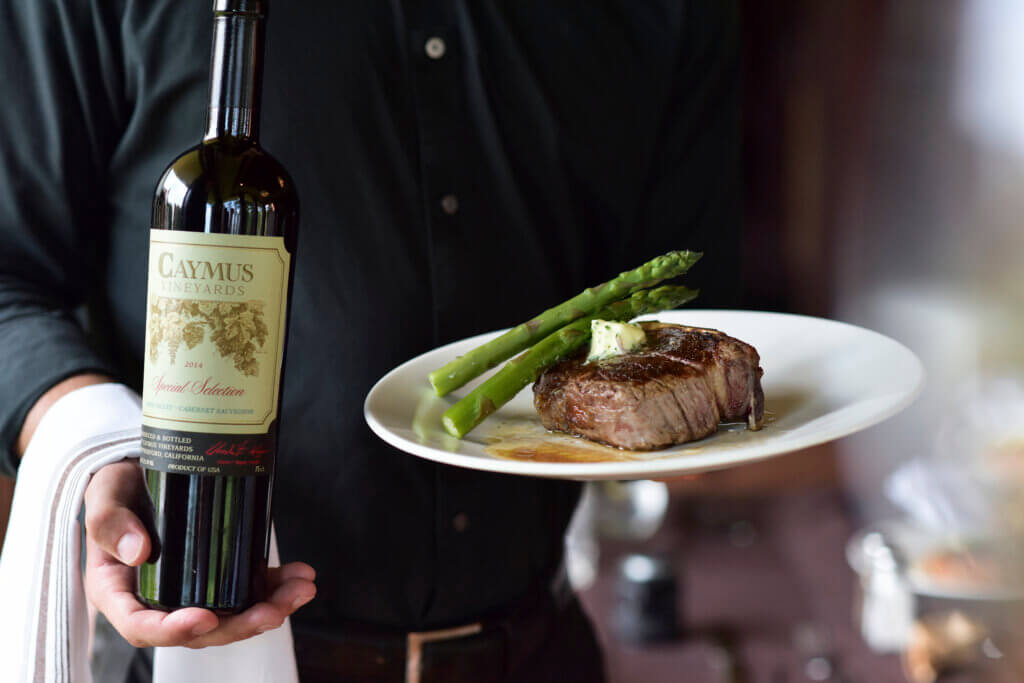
(237, 450)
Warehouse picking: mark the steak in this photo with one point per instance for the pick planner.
(677, 387)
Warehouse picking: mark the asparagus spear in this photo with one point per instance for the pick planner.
(484, 357)
(497, 390)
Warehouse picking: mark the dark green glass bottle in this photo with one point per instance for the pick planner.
(225, 217)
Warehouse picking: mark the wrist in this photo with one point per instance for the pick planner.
(46, 401)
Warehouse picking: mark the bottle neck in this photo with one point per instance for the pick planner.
(236, 77)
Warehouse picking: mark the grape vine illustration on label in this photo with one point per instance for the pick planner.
(215, 325)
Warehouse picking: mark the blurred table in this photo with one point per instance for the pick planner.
(764, 588)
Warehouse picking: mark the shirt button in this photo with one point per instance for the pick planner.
(450, 204)
(435, 48)
(460, 522)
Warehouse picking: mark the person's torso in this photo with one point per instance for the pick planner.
(444, 192)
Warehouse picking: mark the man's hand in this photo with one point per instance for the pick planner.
(117, 541)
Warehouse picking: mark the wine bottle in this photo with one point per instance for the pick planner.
(225, 217)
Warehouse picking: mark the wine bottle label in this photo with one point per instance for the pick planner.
(215, 321)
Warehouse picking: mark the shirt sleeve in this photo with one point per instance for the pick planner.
(59, 123)
(693, 196)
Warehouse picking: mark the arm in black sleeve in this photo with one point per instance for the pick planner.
(58, 124)
(694, 189)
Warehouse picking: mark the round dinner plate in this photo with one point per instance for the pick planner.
(823, 380)
(916, 544)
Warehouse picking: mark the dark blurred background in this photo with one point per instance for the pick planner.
(884, 170)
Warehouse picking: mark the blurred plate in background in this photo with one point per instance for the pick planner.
(945, 566)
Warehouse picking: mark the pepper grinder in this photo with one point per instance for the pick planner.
(646, 598)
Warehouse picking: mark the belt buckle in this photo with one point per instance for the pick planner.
(415, 640)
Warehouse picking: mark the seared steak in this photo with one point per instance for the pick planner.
(677, 387)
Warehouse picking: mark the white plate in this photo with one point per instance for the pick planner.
(822, 380)
(915, 544)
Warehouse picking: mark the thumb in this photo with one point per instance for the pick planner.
(110, 521)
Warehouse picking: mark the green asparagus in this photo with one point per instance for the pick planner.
(519, 372)
(483, 358)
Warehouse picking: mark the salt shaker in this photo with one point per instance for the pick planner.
(888, 604)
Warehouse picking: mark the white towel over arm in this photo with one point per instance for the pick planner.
(44, 627)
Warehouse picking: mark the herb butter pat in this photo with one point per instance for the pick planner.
(608, 339)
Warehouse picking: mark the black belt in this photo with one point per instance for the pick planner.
(479, 652)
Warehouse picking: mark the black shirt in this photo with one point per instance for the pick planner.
(462, 165)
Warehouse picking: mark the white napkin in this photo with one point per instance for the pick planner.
(44, 628)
